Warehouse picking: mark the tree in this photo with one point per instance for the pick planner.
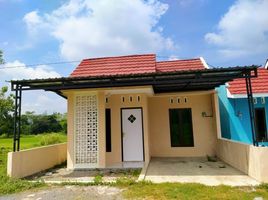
(1, 57)
(27, 122)
(6, 111)
(45, 124)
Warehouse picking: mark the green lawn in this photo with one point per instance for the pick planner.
(9, 185)
(193, 191)
(132, 190)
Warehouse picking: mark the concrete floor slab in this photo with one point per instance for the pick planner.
(59, 175)
(196, 170)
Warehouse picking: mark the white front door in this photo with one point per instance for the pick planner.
(132, 134)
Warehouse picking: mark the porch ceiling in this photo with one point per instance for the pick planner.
(191, 80)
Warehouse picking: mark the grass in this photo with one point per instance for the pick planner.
(30, 141)
(181, 191)
(147, 190)
(11, 185)
(131, 188)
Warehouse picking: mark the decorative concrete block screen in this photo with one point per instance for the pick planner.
(86, 131)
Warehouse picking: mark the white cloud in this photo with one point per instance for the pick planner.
(90, 28)
(32, 20)
(173, 57)
(11, 71)
(41, 102)
(243, 30)
(38, 101)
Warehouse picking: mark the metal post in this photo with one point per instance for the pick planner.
(251, 108)
(17, 118)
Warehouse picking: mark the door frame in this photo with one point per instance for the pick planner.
(255, 121)
(121, 119)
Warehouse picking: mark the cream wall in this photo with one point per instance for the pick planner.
(115, 104)
(27, 162)
(247, 158)
(155, 123)
(204, 129)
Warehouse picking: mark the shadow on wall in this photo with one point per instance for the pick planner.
(231, 124)
(224, 118)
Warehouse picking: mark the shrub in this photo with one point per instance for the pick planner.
(52, 138)
(4, 135)
(98, 179)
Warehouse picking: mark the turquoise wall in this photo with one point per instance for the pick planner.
(234, 117)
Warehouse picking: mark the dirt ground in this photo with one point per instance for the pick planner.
(69, 193)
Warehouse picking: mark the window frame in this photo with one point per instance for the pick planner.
(170, 129)
(108, 130)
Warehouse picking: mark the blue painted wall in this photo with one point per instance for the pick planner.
(234, 117)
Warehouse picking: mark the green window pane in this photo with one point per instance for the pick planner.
(181, 129)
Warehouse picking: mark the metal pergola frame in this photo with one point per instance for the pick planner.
(162, 82)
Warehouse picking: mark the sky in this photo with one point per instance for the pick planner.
(226, 33)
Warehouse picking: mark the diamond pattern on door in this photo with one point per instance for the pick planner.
(86, 130)
(131, 118)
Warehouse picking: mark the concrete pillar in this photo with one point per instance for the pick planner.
(70, 131)
(146, 131)
(101, 130)
(217, 114)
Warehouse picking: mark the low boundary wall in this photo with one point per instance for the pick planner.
(247, 158)
(27, 162)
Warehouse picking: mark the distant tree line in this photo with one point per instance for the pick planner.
(31, 123)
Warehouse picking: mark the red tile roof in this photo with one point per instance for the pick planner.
(259, 84)
(178, 65)
(132, 64)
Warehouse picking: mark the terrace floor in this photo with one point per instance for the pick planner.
(196, 170)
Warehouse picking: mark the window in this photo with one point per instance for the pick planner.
(260, 123)
(181, 128)
(108, 130)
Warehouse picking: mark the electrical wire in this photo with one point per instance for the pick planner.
(38, 64)
(64, 62)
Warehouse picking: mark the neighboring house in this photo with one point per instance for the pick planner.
(124, 110)
(234, 110)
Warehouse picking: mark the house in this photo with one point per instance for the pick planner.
(124, 110)
(234, 112)
(140, 121)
